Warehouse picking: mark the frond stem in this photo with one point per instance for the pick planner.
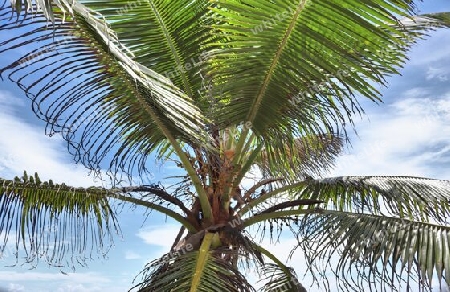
(273, 258)
(267, 196)
(266, 216)
(160, 194)
(172, 214)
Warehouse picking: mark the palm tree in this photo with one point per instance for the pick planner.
(223, 87)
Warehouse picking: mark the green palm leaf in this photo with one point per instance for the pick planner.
(295, 68)
(264, 74)
(413, 197)
(224, 85)
(54, 220)
(92, 91)
(378, 251)
(278, 280)
(277, 275)
(433, 20)
(307, 156)
(179, 270)
(167, 36)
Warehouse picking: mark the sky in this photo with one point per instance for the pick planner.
(408, 134)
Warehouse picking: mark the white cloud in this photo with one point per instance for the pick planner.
(7, 100)
(131, 255)
(436, 43)
(251, 178)
(15, 287)
(79, 288)
(161, 236)
(440, 74)
(411, 137)
(25, 147)
(416, 92)
(72, 282)
(81, 278)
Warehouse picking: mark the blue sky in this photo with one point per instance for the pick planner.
(409, 134)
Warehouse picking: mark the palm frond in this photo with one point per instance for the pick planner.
(277, 280)
(166, 36)
(432, 20)
(295, 68)
(91, 90)
(375, 251)
(262, 36)
(55, 221)
(307, 156)
(278, 277)
(51, 220)
(45, 6)
(175, 272)
(163, 204)
(414, 197)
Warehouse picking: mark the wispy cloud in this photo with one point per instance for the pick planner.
(160, 235)
(15, 287)
(439, 73)
(82, 278)
(436, 43)
(411, 137)
(25, 147)
(131, 255)
(15, 281)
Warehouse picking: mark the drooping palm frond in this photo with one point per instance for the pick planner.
(380, 252)
(413, 197)
(307, 156)
(433, 20)
(277, 280)
(52, 221)
(287, 70)
(366, 248)
(295, 68)
(91, 90)
(44, 6)
(194, 270)
(158, 200)
(167, 36)
(277, 276)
